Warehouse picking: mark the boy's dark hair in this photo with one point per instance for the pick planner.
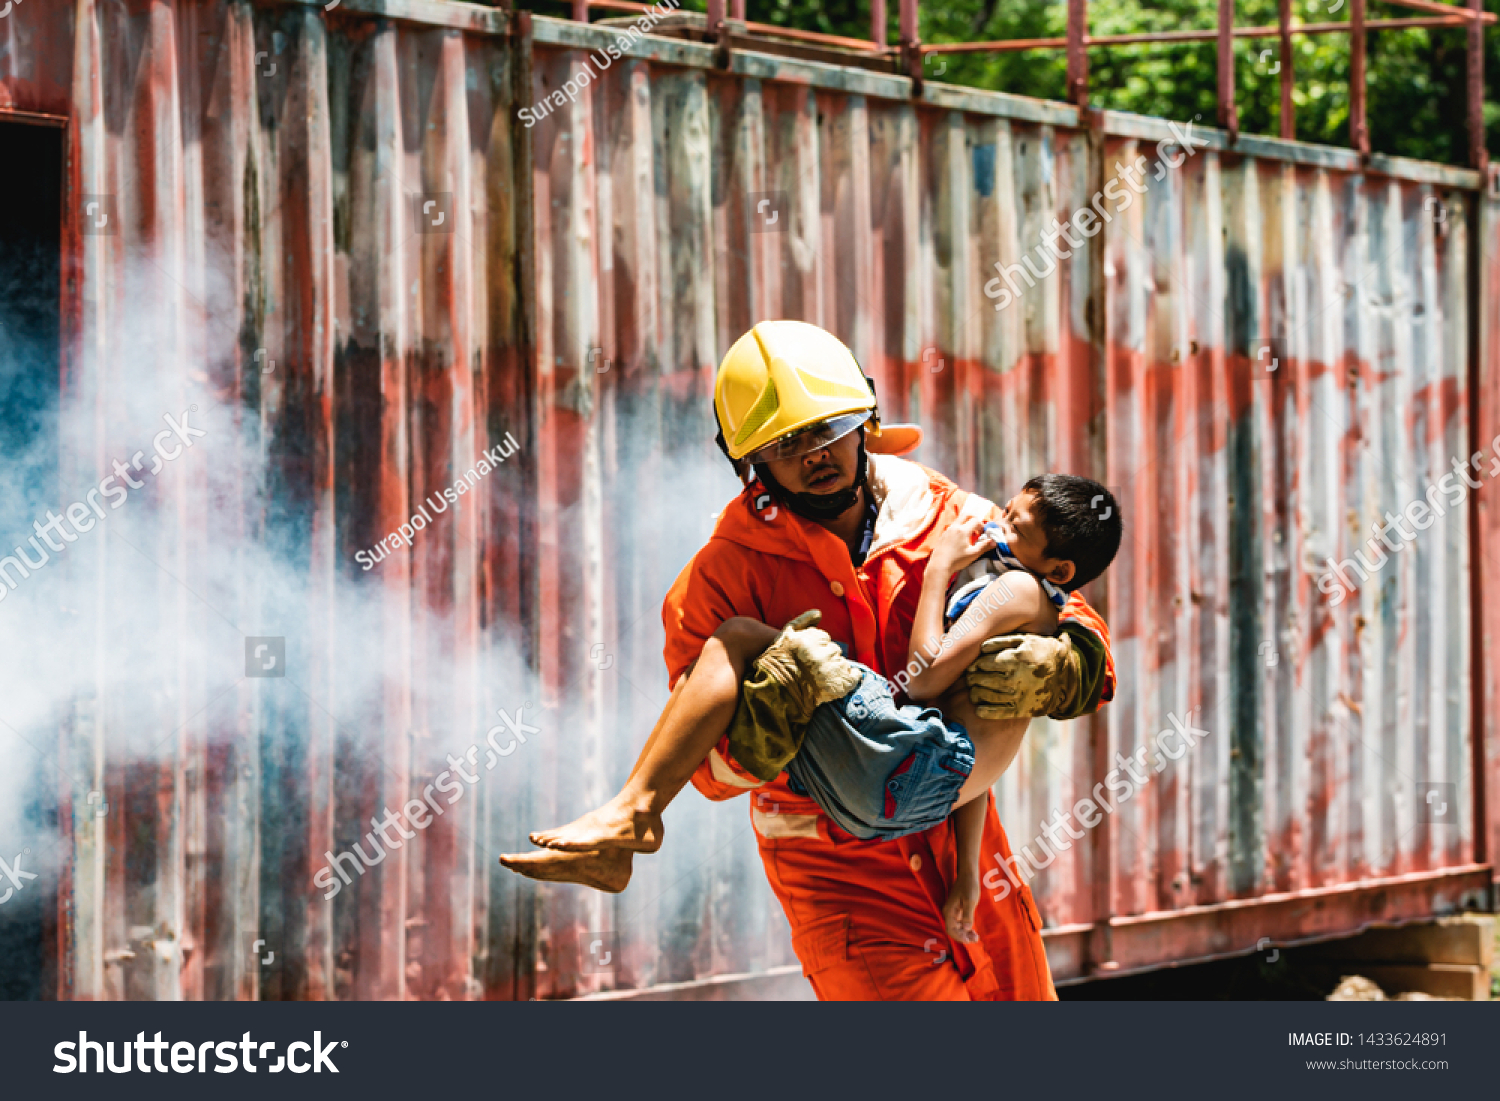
(1082, 521)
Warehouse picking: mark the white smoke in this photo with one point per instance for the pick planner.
(127, 676)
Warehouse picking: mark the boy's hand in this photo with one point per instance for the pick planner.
(957, 547)
(958, 911)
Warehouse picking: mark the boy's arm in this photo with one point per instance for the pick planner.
(1011, 603)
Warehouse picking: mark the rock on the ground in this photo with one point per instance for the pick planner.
(1357, 988)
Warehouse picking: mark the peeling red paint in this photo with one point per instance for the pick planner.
(607, 257)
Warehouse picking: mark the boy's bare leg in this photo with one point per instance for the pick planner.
(963, 896)
(996, 742)
(695, 718)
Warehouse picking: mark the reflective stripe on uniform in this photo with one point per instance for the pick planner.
(774, 826)
(725, 774)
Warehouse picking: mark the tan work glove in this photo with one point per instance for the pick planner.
(807, 667)
(1022, 676)
(802, 669)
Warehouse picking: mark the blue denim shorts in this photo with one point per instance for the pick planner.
(878, 770)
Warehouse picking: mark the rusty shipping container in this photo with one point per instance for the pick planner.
(334, 239)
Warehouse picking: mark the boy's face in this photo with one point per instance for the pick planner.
(1028, 539)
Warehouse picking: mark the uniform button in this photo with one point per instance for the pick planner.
(838, 590)
(893, 786)
(916, 863)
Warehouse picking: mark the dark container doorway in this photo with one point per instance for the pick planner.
(30, 381)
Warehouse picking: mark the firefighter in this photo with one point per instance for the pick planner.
(831, 518)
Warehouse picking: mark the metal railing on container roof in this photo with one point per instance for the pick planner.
(911, 50)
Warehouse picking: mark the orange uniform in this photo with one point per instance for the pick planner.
(866, 916)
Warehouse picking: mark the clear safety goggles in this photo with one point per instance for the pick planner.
(814, 438)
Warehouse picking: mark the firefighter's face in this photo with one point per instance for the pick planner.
(826, 470)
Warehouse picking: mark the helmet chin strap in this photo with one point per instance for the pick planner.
(819, 506)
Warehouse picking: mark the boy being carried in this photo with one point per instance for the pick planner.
(878, 770)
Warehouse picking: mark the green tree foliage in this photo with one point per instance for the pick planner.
(1416, 84)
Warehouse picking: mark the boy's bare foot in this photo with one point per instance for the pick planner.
(603, 871)
(612, 826)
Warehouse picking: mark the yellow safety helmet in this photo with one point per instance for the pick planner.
(786, 388)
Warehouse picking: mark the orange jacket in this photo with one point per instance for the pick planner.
(865, 915)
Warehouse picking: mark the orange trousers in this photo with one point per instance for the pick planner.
(867, 923)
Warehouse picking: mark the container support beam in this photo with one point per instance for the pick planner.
(1359, 130)
(1229, 118)
(1284, 26)
(1078, 54)
(911, 44)
(1478, 157)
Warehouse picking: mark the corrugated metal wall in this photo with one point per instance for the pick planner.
(1239, 479)
(275, 171)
